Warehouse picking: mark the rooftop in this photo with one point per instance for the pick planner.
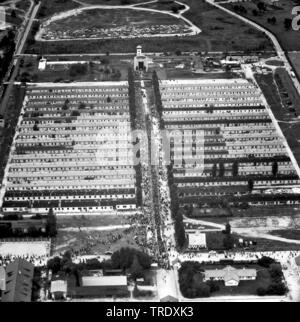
(104, 281)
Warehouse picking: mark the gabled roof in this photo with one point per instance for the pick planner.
(19, 275)
(2, 278)
(230, 273)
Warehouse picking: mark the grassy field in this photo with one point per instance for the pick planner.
(51, 7)
(220, 32)
(290, 234)
(287, 117)
(112, 70)
(107, 19)
(91, 221)
(288, 38)
(295, 59)
(94, 242)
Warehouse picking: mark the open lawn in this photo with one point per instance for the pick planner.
(289, 39)
(51, 7)
(91, 221)
(112, 69)
(94, 242)
(112, 23)
(285, 104)
(295, 59)
(220, 32)
(290, 234)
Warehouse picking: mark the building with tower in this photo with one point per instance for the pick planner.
(141, 62)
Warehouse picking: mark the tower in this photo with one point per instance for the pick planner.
(139, 50)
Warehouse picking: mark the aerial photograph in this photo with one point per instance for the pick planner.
(149, 153)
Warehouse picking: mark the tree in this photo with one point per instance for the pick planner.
(136, 269)
(13, 14)
(213, 285)
(51, 228)
(261, 6)
(250, 185)
(265, 261)
(81, 105)
(235, 169)
(275, 169)
(54, 264)
(228, 242)
(228, 229)
(255, 13)
(214, 170)
(221, 169)
(288, 23)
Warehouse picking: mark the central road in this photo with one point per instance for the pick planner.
(19, 50)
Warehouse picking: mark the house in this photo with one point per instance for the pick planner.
(100, 286)
(18, 285)
(197, 241)
(230, 275)
(42, 64)
(59, 289)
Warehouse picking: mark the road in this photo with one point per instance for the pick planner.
(19, 50)
(280, 52)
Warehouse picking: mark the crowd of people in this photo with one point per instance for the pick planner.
(36, 260)
(280, 256)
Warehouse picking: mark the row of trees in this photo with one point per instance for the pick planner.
(191, 281)
(134, 126)
(129, 260)
(277, 286)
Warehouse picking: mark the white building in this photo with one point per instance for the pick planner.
(140, 62)
(197, 241)
(42, 64)
(59, 289)
(230, 275)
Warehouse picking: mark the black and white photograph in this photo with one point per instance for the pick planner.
(149, 154)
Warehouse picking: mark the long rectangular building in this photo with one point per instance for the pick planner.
(226, 146)
(72, 151)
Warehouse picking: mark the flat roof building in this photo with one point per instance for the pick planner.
(100, 286)
(197, 241)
